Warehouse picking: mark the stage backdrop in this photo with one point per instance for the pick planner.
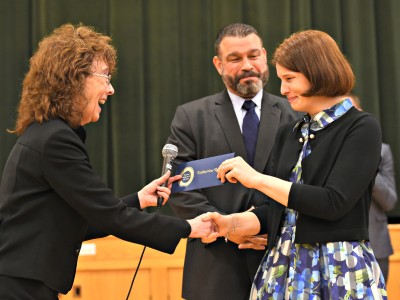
(165, 50)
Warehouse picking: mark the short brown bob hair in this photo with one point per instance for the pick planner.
(54, 84)
(317, 56)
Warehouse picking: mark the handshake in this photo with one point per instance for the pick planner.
(240, 228)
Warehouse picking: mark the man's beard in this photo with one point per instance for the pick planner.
(249, 88)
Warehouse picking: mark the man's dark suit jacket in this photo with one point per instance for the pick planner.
(384, 198)
(48, 196)
(205, 128)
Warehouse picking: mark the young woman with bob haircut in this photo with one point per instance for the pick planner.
(324, 166)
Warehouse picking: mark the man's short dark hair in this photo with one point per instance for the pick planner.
(236, 29)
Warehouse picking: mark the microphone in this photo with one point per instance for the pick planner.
(169, 152)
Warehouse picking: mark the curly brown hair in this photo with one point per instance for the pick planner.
(54, 84)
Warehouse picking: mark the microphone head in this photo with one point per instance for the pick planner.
(170, 150)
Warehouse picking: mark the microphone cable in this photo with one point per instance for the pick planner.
(137, 269)
(138, 266)
(169, 152)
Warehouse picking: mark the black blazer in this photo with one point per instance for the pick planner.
(205, 128)
(48, 196)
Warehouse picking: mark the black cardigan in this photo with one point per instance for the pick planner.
(333, 202)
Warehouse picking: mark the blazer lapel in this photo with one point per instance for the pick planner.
(269, 124)
(227, 118)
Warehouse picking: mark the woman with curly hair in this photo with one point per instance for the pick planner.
(49, 193)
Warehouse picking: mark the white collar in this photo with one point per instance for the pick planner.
(238, 101)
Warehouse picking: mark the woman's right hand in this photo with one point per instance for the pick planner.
(200, 228)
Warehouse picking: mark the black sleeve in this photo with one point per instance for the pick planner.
(261, 213)
(68, 171)
(94, 233)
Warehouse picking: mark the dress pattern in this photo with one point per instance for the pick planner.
(336, 270)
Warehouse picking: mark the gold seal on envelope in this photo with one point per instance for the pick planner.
(187, 176)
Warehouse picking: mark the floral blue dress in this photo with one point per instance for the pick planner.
(336, 270)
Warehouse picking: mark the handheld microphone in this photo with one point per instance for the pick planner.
(169, 152)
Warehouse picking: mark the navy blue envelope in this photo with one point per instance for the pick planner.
(199, 174)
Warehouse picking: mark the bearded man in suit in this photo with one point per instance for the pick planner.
(217, 269)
